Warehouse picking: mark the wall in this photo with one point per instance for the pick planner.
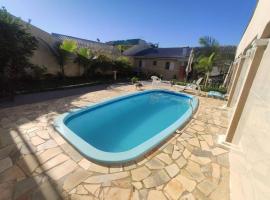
(250, 157)
(44, 57)
(159, 68)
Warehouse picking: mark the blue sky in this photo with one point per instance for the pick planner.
(170, 23)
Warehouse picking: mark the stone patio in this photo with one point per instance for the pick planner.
(37, 163)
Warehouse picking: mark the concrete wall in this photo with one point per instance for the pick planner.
(168, 74)
(44, 57)
(249, 130)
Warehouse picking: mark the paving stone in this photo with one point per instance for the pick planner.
(6, 151)
(188, 196)
(5, 164)
(84, 163)
(165, 158)
(43, 134)
(135, 195)
(93, 189)
(75, 155)
(60, 158)
(123, 183)
(6, 190)
(137, 185)
(12, 174)
(200, 160)
(143, 193)
(195, 171)
(187, 183)
(217, 151)
(172, 170)
(157, 178)
(155, 163)
(140, 173)
(198, 127)
(81, 197)
(28, 163)
(46, 191)
(195, 142)
(130, 166)
(47, 145)
(75, 179)
(115, 193)
(168, 149)
(48, 154)
(181, 162)
(106, 177)
(57, 138)
(116, 169)
(61, 170)
(98, 168)
(206, 187)
(208, 139)
(204, 146)
(186, 153)
(176, 154)
(81, 190)
(36, 140)
(174, 189)
(23, 187)
(215, 171)
(223, 160)
(156, 195)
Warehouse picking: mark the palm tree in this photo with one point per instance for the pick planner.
(209, 45)
(84, 58)
(205, 64)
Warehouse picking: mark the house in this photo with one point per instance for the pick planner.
(249, 97)
(169, 63)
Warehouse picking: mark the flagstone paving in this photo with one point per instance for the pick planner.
(37, 163)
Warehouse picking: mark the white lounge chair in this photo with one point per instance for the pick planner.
(195, 86)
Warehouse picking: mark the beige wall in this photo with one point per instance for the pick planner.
(44, 57)
(159, 68)
(250, 159)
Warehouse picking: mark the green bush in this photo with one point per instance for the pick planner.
(134, 79)
(214, 88)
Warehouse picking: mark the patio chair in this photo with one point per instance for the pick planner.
(195, 86)
(155, 81)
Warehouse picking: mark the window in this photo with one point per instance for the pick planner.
(167, 65)
(154, 62)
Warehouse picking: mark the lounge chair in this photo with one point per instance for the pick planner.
(195, 86)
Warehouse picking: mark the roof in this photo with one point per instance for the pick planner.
(153, 52)
(93, 45)
(129, 42)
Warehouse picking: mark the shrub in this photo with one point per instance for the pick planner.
(216, 88)
(134, 79)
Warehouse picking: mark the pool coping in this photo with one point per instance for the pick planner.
(100, 156)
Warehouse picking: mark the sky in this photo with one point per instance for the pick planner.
(170, 23)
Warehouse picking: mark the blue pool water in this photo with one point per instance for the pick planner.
(124, 128)
(122, 125)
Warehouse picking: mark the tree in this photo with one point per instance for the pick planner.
(205, 65)
(62, 51)
(17, 46)
(208, 46)
(84, 57)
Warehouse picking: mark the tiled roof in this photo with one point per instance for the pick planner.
(164, 52)
(93, 45)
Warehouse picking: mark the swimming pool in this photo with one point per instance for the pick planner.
(124, 128)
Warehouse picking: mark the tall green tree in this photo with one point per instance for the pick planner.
(62, 51)
(205, 65)
(17, 46)
(84, 57)
(208, 45)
